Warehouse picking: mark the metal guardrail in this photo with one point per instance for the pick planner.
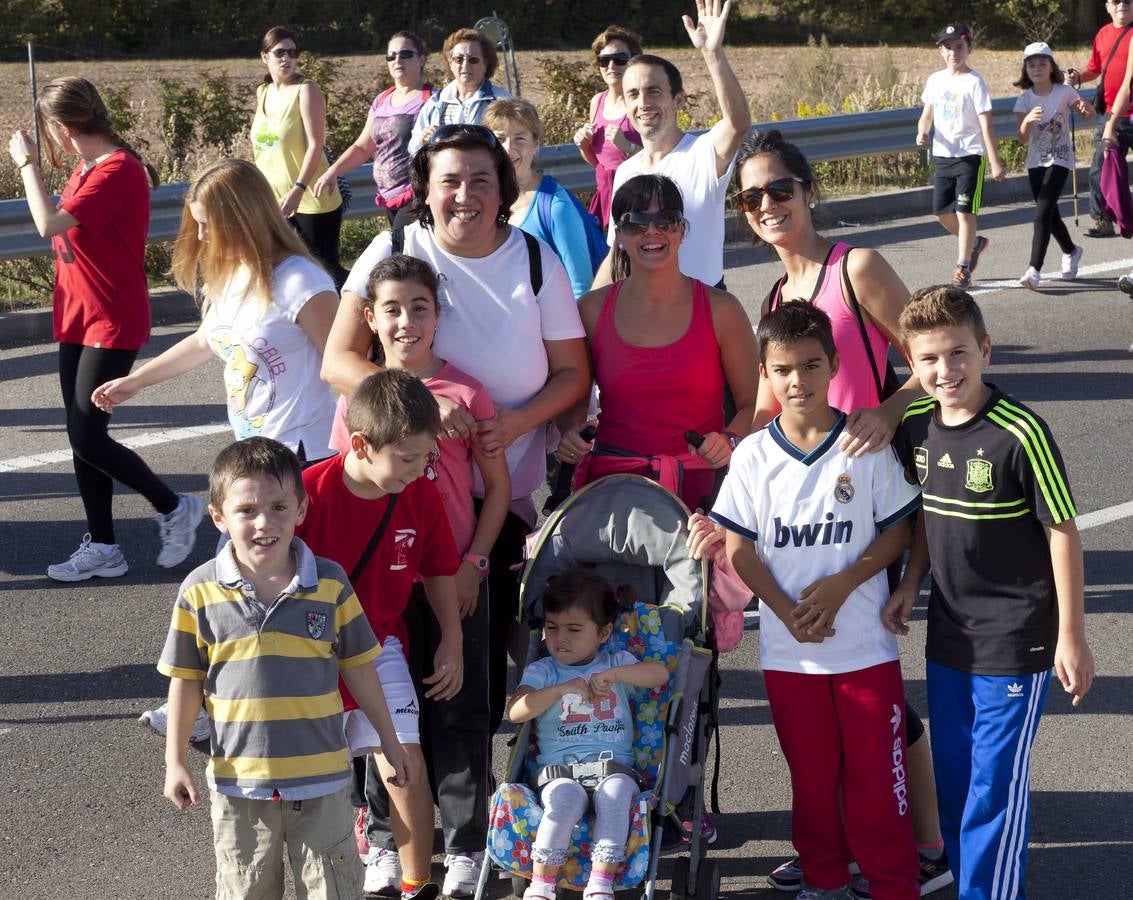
(822, 138)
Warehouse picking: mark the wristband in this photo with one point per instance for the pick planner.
(478, 562)
(300, 185)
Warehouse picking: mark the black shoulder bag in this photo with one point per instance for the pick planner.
(1099, 97)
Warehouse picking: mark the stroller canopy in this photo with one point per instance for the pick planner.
(632, 531)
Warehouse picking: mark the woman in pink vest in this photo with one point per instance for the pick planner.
(662, 347)
(855, 287)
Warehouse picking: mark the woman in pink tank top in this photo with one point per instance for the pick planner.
(858, 290)
(608, 139)
(662, 347)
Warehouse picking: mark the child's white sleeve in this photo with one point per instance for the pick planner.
(894, 498)
(735, 505)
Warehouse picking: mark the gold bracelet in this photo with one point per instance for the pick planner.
(28, 160)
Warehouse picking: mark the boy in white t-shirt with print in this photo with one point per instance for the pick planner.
(957, 107)
(811, 531)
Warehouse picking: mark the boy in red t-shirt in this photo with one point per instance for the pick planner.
(371, 512)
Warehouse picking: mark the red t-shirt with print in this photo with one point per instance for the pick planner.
(101, 296)
(417, 542)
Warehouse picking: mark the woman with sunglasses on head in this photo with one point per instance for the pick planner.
(97, 229)
(609, 138)
(472, 59)
(778, 193)
(288, 130)
(508, 319)
(663, 347)
(389, 124)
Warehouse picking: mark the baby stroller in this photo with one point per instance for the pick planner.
(631, 531)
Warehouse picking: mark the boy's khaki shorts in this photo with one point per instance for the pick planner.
(253, 836)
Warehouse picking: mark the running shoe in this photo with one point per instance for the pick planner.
(462, 871)
(90, 561)
(978, 247)
(935, 874)
(179, 530)
(1070, 263)
(1031, 279)
(383, 873)
(962, 276)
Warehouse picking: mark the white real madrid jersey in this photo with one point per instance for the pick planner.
(811, 515)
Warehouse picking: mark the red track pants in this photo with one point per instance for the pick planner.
(843, 737)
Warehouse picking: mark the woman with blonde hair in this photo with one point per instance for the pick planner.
(266, 309)
(288, 145)
(101, 311)
(609, 138)
(544, 208)
(472, 59)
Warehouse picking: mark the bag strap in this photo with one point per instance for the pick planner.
(775, 295)
(360, 566)
(852, 297)
(543, 208)
(1109, 59)
(534, 262)
(397, 239)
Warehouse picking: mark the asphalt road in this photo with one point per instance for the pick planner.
(81, 811)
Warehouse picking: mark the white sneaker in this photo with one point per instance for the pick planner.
(1031, 279)
(90, 560)
(179, 530)
(462, 872)
(383, 873)
(157, 720)
(1070, 264)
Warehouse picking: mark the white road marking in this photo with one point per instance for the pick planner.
(1104, 516)
(1048, 278)
(147, 439)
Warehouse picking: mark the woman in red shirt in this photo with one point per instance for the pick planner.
(101, 312)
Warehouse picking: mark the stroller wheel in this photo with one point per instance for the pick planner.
(518, 886)
(678, 889)
(708, 880)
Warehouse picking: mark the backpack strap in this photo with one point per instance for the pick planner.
(397, 239)
(534, 262)
(360, 566)
(775, 295)
(543, 208)
(852, 298)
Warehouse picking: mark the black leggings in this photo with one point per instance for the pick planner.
(320, 232)
(99, 459)
(1046, 186)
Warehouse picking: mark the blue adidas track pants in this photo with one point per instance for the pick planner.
(982, 728)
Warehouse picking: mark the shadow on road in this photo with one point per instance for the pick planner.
(118, 683)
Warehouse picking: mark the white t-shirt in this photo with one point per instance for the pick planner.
(692, 165)
(956, 101)
(1049, 143)
(493, 327)
(811, 515)
(271, 368)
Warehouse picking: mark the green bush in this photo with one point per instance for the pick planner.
(569, 89)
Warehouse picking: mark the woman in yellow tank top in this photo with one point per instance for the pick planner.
(287, 146)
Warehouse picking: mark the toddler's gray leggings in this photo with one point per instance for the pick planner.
(565, 802)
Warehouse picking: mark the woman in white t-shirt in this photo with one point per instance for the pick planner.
(1044, 110)
(267, 308)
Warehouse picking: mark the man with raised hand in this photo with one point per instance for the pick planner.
(700, 165)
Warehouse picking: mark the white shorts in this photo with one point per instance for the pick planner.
(401, 698)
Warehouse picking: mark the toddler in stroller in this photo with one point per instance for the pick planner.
(578, 697)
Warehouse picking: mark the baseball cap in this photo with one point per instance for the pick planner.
(1038, 48)
(954, 31)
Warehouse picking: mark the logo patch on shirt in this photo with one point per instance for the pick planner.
(844, 489)
(945, 462)
(920, 458)
(316, 624)
(1015, 689)
(403, 540)
(978, 477)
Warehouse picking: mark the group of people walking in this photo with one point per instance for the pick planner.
(486, 328)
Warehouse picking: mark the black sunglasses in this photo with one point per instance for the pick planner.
(400, 54)
(617, 59)
(780, 190)
(461, 60)
(667, 220)
(459, 130)
(280, 52)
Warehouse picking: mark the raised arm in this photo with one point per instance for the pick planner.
(49, 221)
(707, 36)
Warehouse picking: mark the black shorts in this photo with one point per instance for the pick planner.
(958, 186)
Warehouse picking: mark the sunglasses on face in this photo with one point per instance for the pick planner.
(281, 52)
(457, 130)
(400, 54)
(618, 59)
(634, 223)
(461, 60)
(780, 190)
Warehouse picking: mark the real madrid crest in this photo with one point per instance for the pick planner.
(844, 489)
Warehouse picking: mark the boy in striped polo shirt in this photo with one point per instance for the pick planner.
(260, 636)
(998, 532)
